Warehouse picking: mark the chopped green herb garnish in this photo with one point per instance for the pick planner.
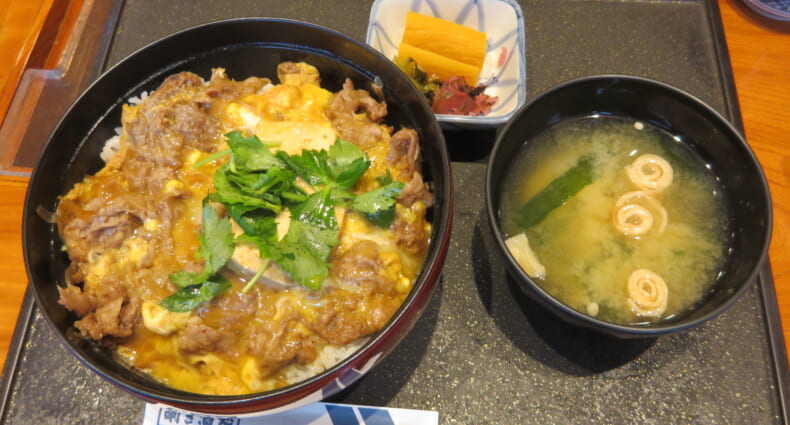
(216, 248)
(379, 205)
(212, 157)
(385, 179)
(256, 185)
(257, 276)
(250, 154)
(188, 298)
(255, 221)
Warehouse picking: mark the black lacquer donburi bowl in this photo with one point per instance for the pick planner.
(244, 47)
(692, 122)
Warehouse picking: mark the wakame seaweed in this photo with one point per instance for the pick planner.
(557, 192)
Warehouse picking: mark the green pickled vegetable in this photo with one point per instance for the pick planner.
(557, 193)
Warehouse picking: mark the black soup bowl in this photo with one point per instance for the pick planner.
(244, 47)
(691, 122)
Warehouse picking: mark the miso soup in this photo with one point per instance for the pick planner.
(615, 218)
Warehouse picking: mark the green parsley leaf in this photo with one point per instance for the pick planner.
(303, 253)
(379, 205)
(228, 193)
(216, 247)
(189, 297)
(257, 184)
(255, 221)
(311, 165)
(184, 278)
(216, 241)
(348, 176)
(298, 260)
(344, 153)
(341, 166)
(319, 241)
(317, 210)
(385, 179)
(250, 154)
(264, 184)
(348, 163)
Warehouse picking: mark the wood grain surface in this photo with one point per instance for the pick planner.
(760, 56)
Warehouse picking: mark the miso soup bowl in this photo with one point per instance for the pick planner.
(692, 122)
(244, 47)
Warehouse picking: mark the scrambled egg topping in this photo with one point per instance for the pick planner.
(241, 342)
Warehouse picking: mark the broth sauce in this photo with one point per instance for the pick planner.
(588, 259)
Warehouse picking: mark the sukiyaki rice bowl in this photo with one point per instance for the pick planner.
(240, 224)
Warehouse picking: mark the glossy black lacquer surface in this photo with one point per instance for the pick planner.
(244, 47)
(700, 128)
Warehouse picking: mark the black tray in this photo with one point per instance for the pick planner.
(483, 352)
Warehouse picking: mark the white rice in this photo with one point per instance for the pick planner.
(328, 356)
(136, 100)
(111, 146)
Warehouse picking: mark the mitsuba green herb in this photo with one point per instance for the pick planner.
(216, 248)
(188, 298)
(379, 205)
(256, 185)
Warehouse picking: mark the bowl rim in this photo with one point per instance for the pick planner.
(768, 10)
(370, 351)
(622, 330)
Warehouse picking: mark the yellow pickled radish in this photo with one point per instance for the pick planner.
(444, 47)
(442, 66)
(446, 38)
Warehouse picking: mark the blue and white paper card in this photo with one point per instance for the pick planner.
(312, 414)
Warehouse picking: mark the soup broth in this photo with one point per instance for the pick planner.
(586, 255)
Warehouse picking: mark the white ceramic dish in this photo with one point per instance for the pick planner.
(504, 69)
(774, 9)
